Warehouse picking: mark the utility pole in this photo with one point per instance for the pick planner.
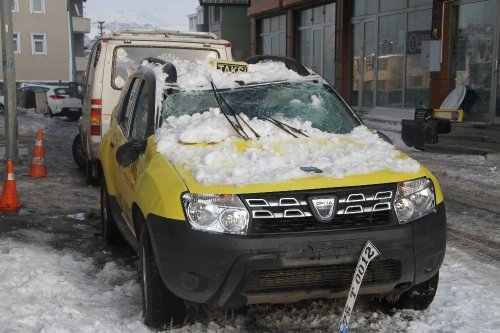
(9, 82)
(101, 27)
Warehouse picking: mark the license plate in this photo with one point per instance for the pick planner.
(368, 253)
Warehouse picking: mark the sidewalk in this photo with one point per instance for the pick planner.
(465, 138)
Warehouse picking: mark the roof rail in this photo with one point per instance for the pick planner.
(290, 63)
(165, 33)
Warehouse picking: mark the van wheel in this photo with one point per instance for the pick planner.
(417, 298)
(90, 170)
(160, 308)
(110, 232)
(78, 154)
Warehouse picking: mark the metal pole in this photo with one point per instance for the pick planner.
(101, 27)
(72, 62)
(9, 82)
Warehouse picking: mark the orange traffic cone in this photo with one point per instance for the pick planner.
(9, 201)
(37, 169)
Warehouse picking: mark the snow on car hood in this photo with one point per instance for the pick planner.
(207, 146)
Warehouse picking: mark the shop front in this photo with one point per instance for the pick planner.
(474, 57)
(389, 66)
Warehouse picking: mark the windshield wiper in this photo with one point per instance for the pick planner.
(285, 127)
(235, 123)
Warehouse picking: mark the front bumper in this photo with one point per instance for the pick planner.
(232, 271)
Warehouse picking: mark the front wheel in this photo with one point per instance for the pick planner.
(160, 308)
(110, 231)
(419, 297)
(78, 153)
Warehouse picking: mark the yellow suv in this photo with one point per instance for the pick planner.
(244, 183)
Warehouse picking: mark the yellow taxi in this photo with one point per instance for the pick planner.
(244, 183)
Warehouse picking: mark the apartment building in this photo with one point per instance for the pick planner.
(227, 19)
(48, 37)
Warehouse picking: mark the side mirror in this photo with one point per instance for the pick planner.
(73, 90)
(129, 152)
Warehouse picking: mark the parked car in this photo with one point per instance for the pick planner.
(113, 58)
(59, 101)
(240, 184)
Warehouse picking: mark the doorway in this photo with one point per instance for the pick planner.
(475, 57)
(364, 64)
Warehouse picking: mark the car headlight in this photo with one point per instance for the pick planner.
(414, 199)
(216, 213)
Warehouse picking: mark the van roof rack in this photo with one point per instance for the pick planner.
(165, 33)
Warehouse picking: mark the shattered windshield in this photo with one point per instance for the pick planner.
(308, 101)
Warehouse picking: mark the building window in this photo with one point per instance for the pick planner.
(316, 35)
(14, 5)
(273, 35)
(391, 50)
(17, 42)
(38, 6)
(215, 13)
(417, 77)
(38, 44)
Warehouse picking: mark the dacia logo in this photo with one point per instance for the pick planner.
(323, 207)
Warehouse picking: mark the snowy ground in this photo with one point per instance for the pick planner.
(55, 275)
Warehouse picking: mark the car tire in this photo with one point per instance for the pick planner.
(90, 167)
(160, 308)
(419, 297)
(78, 153)
(110, 232)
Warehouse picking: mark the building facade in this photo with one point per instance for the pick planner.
(390, 53)
(228, 19)
(48, 37)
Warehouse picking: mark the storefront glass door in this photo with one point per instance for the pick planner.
(496, 75)
(364, 64)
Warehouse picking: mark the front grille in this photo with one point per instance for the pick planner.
(356, 207)
(332, 277)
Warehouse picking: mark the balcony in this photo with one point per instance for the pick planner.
(81, 63)
(81, 25)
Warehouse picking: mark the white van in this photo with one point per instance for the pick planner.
(112, 59)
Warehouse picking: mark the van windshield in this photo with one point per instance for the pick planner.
(126, 59)
(308, 101)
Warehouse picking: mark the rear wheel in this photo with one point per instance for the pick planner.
(160, 308)
(418, 297)
(78, 154)
(110, 232)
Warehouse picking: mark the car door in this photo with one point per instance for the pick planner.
(138, 118)
(119, 135)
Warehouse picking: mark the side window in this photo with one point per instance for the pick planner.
(94, 58)
(140, 120)
(128, 106)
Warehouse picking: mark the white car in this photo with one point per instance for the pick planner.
(58, 100)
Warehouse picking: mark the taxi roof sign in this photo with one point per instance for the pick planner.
(230, 66)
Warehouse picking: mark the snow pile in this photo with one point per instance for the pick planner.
(276, 156)
(43, 290)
